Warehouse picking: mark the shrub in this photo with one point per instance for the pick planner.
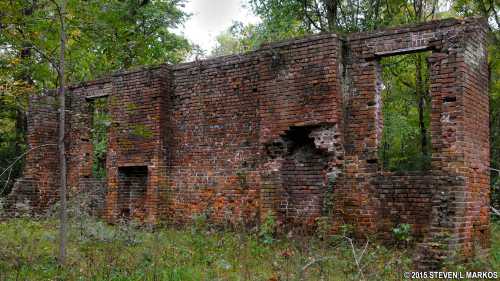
(323, 227)
(267, 230)
(402, 233)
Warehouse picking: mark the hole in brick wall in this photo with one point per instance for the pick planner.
(406, 107)
(449, 99)
(100, 122)
(132, 186)
(303, 174)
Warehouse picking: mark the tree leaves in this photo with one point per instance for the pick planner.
(102, 37)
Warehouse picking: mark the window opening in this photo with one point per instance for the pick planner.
(99, 135)
(406, 107)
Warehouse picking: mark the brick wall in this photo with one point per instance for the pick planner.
(292, 128)
(458, 180)
(42, 164)
(136, 137)
(79, 147)
(405, 198)
(226, 111)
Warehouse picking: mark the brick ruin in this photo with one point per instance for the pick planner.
(292, 128)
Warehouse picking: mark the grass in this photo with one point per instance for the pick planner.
(98, 251)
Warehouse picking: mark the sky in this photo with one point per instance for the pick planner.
(210, 17)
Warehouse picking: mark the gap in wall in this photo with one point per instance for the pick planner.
(303, 173)
(100, 122)
(406, 106)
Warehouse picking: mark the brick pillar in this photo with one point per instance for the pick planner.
(356, 194)
(460, 159)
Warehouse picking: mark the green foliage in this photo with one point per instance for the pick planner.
(323, 227)
(267, 229)
(494, 65)
(141, 131)
(284, 19)
(129, 251)
(199, 222)
(489, 10)
(402, 232)
(347, 230)
(13, 95)
(100, 124)
(401, 146)
(328, 200)
(102, 37)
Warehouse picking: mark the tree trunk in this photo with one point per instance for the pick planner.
(21, 102)
(60, 144)
(331, 13)
(20, 128)
(420, 93)
(25, 76)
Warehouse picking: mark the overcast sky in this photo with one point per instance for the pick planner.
(211, 17)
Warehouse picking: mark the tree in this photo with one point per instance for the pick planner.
(61, 11)
(102, 37)
(239, 38)
(50, 42)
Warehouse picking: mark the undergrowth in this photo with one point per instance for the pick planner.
(99, 251)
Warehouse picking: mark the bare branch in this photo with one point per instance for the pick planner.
(311, 263)
(356, 258)
(22, 155)
(9, 168)
(59, 11)
(311, 21)
(7, 181)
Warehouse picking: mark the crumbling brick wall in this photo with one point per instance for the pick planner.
(40, 176)
(225, 113)
(293, 129)
(458, 88)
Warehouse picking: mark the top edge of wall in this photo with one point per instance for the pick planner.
(415, 27)
(238, 58)
(250, 55)
(103, 80)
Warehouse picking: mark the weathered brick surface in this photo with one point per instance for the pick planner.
(42, 165)
(79, 146)
(285, 129)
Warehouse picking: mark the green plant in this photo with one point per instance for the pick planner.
(323, 227)
(199, 222)
(131, 106)
(328, 200)
(141, 131)
(101, 120)
(347, 230)
(267, 229)
(402, 232)
(105, 252)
